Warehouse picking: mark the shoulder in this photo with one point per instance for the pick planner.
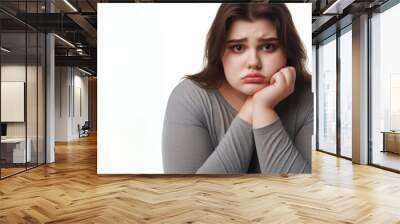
(187, 91)
(187, 98)
(187, 87)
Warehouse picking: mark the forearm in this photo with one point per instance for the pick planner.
(276, 151)
(234, 152)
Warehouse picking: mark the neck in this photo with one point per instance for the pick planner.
(235, 98)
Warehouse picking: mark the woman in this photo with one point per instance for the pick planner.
(251, 108)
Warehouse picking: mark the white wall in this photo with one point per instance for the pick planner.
(61, 103)
(68, 81)
(80, 83)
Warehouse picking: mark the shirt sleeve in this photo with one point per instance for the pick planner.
(277, 153)
(187, 147)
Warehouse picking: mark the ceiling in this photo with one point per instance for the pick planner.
(77, 25)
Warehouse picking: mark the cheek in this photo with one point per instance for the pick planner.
(231, 65)
(273, 63)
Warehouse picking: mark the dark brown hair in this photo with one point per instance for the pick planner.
(213, 73)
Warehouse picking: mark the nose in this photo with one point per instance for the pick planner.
(254, 60)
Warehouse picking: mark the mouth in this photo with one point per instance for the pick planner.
(253, 78)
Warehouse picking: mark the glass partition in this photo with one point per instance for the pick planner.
(13, 108)
(327, 96)
(22, 77)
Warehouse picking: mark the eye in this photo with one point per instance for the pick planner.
(237, 48)
(268, 47)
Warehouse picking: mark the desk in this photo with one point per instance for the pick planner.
(16, 147)
(391, 141)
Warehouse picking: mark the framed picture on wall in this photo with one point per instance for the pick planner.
(12, 101)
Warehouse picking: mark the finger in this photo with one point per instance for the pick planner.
(290, 74)
(290, 77)
(290, 68)
(272, 80)
(280, 78)
(282, 73)
(293, 72)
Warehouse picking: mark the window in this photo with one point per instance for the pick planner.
(327, 96)
(346, 92)
(385, 89)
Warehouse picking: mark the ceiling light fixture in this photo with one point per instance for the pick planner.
(5, 49)
(86, 72)
(337, 7)
(70, 5)
(64, 40)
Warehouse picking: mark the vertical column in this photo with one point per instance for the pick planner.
(360, 90)
(50, 92)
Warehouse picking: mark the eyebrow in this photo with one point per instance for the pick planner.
(244, 39)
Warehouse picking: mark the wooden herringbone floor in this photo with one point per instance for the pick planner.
(70, 191)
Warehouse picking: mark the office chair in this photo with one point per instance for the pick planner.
(84, 130)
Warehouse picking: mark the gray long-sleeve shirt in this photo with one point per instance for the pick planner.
(203, 134)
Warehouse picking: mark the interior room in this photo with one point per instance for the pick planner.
(48, 150)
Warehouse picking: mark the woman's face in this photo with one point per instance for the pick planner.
(252, 54)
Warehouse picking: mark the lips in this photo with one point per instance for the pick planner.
(253, 78)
